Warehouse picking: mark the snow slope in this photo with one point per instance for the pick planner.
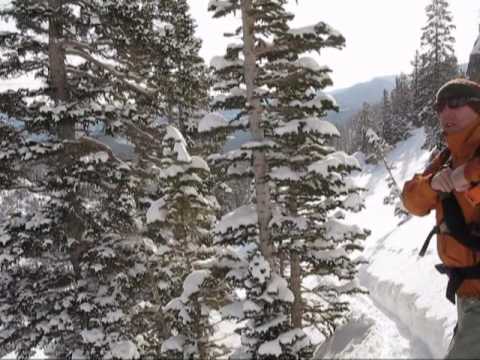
(401, 284)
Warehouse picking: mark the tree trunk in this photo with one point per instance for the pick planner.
(260, 166)
(282, 258)
(200, 332)
(56, 66)
(296, 287)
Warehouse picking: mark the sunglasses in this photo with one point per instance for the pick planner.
(454, 103)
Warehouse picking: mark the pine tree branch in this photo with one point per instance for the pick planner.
(101, 146)
(265, 49)
(75, 70)
(390, 173)
(123, 78)
(94, 48)
(36, 190)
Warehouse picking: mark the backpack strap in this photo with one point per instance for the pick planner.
(456, 276)
(435, 230)
(466, 234)
(438, 161)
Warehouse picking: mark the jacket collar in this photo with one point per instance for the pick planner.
(463, 144)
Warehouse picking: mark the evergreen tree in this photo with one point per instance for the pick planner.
(381, 147)
(72, 289)
(364, 120)
(183, 79)
(438, 64)
(307, 181)
(80, 264)
(180, 214)
(387, 121)
(400, 110)
(263, 312)
(416, 99)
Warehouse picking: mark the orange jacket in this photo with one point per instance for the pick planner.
(419, 199)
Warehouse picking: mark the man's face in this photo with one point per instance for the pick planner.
(454, 120)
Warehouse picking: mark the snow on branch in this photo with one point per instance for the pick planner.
(118, 74)
(318, 28)
(243, 216)
(211, 122)
(222, 7)
(308, 125)
(339, 231)
(260, 145)
(287, 339)
(220, 63)
(332, 162)
(193, 283)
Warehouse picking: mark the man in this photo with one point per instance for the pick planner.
(446, 186)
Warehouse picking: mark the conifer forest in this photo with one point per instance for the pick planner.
(128, 230)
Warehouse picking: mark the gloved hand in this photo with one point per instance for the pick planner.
(442, 181)
(458, 179)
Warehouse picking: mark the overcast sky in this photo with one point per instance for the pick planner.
(381, 35)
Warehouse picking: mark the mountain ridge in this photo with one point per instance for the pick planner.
(351, 99)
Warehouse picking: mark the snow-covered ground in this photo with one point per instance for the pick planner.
(406, 314)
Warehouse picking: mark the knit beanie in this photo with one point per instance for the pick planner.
(460, 88)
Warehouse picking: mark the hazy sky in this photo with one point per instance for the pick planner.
(381, 35)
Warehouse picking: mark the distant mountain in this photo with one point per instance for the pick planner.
(351, 99)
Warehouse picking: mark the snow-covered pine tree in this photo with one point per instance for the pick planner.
(78, 53)
(180, 214)
(182, 79)
(213, 131)
(238, 80)
(416, 99)
(400, 110)
(71, 290)
(289, 102)
(310, 185)
(362, 121)
(237, 74)
(78, 263)
(438, 64)
(309, 178)
(192, 327)
(259, 299)
(93, 54)
(381, 148)
(387, 121)
(344, 141)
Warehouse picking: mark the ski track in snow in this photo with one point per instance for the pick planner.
(372, 333)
